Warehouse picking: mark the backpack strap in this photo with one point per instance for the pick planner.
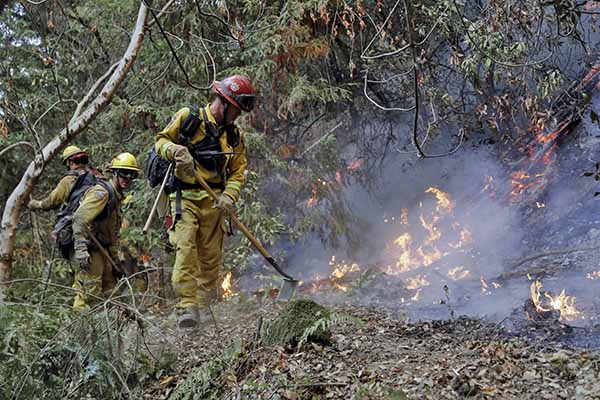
(191, 123)
(211, 129)
(112, 200)
(81, 177)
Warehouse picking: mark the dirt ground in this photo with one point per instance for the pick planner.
(381, 357)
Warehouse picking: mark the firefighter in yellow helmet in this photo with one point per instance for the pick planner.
(207, 142)
(76, 161)
(99, 214)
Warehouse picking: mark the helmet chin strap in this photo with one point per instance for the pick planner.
(225, 108)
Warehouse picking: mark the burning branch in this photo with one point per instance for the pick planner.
(547, 304)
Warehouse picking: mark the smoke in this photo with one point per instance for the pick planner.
(478, 278)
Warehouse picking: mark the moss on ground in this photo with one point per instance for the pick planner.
(298, 316)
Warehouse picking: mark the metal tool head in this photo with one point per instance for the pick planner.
(288, 289)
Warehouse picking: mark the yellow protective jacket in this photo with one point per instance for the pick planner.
(234, 166)
(59, 195)
(106, 229)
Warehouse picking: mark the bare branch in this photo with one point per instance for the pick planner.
(6, 149)
(379, 105)
(415, 81)
(77, 124)
(160, 27)
(400, 50)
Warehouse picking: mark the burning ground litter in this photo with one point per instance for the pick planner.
(472, 236)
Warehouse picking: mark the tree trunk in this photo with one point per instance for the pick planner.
(77, 124)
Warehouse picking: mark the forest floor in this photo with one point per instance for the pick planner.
(383, 357)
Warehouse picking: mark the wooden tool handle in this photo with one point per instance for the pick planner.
(245, 230)
(155, 205)
(104, 251)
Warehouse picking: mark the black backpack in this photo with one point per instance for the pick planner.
(156, 168)
(207, 152)
(63, 229)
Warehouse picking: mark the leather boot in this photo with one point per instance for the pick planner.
(189, 318)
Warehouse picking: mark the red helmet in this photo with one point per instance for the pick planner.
(238, 91)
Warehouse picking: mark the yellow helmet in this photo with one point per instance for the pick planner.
(70, 151)
(125, 161)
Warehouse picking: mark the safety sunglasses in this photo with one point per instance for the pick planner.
(246, 101)
(127, 174)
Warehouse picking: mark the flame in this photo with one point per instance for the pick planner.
(417, 295)
(226, 286)
(548, 156)
(489, 186)
(443, 199)
(404, 262)
(431, 234)
(485, 289)
(317, 283)
(540, 138)
(542, 154)
(593, 275)
(563, 303)
(459, 273)
(339, 272)
(404, 216)
(435, 223)
(417, 282)
(517, 182)
(313, 198)
(434, 233)
(526, 184)
(354, 165)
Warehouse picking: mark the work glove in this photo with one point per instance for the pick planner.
(82, 257)
(224, 203)
(184, 164)
(34, 204)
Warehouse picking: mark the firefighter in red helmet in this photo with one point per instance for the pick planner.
(204, 141)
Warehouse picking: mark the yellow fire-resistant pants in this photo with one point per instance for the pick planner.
(98, 281)
(198, 242)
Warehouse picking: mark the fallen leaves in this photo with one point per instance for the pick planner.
(391, 359)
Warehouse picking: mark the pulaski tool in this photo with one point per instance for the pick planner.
(288, 288)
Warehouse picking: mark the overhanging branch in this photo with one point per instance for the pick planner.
(79, 121)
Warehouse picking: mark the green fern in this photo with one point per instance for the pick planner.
(328, 322)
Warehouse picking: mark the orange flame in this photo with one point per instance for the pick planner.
(339, 272)
(432, 247)
(354, 165)
(444, 202)
(459, 273)
(313, 199)
(563, 303)
(417, 282)
(543, 139)
(226, 285)
(548, 156)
